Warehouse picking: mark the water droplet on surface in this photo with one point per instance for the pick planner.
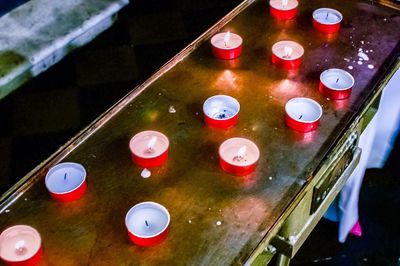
(145, 173)
(371, 66)
(171, 110)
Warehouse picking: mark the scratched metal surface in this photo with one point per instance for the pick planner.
(191, 185)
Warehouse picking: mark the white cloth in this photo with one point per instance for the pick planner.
(376, 143)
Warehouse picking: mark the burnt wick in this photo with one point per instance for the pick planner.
(300, 117)
(337, 80)
(65, 176)
(327, 14)
(147, 224)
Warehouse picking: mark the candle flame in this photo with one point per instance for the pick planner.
(151, 143)
(20, 247)
(227, 38)
(240, 154)
(242, 151)
(284, 3)
(288, 51)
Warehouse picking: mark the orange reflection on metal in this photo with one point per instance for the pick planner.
(227, 80)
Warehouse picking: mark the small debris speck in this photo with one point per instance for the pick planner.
(220, 210)
(171, 110)
(25, 199)
(218, 223)
(328, 99)
(209, 209)
(350, 67)
(197, 113)
(7, 211)
(346, 59)
(371, 66)
(275, 128)
(160, 93)
(270, 96)
(360, 62)
(362, 42)
(270, 178)
(189, 221)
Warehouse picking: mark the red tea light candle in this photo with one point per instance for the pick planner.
(147, 223)
(20, 245)
(149, 148)
(221, 111)
(287, 54)
(226, 45)
(303, 114)
(327, 20)
(66, 181)
(336, 84)
(283, 9)
(238, 156)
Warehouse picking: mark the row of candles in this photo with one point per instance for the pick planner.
(147, 223)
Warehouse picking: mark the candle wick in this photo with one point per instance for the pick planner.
(327, 14)
(65, 176)
(337, 80)
(147, 224)
(300, 117)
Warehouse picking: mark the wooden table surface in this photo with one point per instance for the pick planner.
(191, 185)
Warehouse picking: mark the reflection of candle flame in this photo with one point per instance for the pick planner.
(20, 247)
(288, 51)
(227, 38)
(284, 3)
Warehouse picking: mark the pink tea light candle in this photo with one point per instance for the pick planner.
(226, 45)
(20, 245)
(327, 20)
(283, 9)
(287, 54)
(147, 223)
(336, 83)
(303, 114)
(66, 181)
(221, 111)
(149, 148)
(238, 156)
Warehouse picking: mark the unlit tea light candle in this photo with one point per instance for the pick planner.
(147, 223)
(327, 20)
(20, 245)
(66, 181)
(283, 9)
(238, 156)
(226, 45)
(287, 54)
(303, 114)
(336, 83)
(149, 148)
(221, 111)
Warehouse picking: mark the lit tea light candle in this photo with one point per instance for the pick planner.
(66, 181)
(303, 114)
(238, 156)
(221, 111)
(20, 245)
(327, 20)
(149, 148)
(336, 83)
(287, 54)
(283, 9)
(226, 45)
(147, 223)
